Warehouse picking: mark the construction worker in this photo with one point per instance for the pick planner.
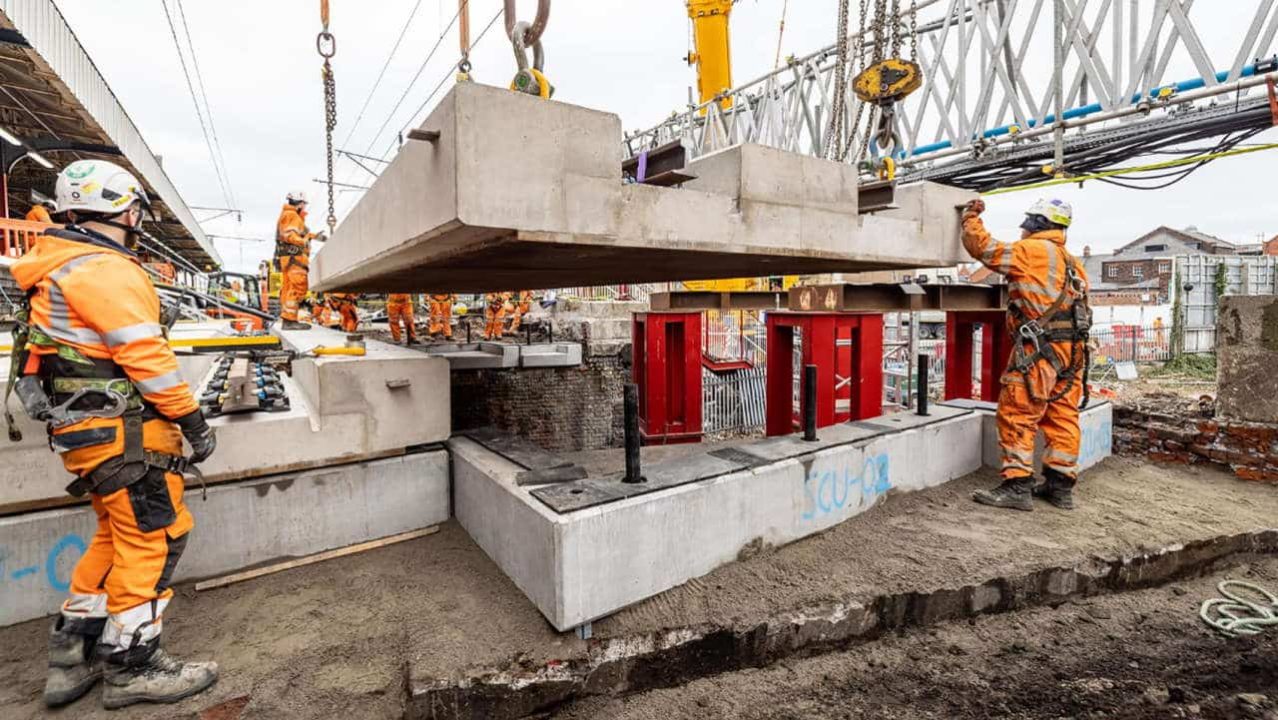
(293, 255)
(344, 304)
(40, 212)
(322, 313)
(496, 306)
(441, 315)
(521, 308)
(399, 309)
(95, 350)
(1050, 321)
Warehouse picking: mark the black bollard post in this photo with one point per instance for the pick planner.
(809, 403)
(630, 395)
(528, 334)
(922, 385)
(550, 332)
(469, 322)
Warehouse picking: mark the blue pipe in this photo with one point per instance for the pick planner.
(1085, 110)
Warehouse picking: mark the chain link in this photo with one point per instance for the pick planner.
(914, 31)
(330, 124)
(835, 147)
(326, 46)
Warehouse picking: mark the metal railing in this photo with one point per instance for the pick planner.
(1132, 343)
(734, 336)
(733, 401)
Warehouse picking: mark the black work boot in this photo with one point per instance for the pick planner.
(148, 674)
(1013, 493)
(1057, 489)
(295, 325)
(74, 667)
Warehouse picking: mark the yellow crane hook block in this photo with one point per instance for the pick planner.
(888, 81)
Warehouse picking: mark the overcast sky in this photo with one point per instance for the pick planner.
(262, 77)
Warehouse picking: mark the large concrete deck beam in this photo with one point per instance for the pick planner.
(520, 192)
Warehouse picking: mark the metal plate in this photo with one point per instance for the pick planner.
(571, 496)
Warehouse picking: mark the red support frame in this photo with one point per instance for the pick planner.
(847, 349)
(666, 366)
(996, 349)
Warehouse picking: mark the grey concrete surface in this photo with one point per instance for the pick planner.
(582, 565)
(1096, 423)
(519, 192)
(1246, 355)
(240, 525)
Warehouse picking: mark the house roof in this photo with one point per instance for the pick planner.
(1191, 234)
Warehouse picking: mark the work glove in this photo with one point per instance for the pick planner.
(974, 209)
(198, 433)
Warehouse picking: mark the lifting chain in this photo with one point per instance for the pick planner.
(326, 45)
(529, 79)
(835, 150)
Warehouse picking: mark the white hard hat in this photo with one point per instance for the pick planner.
(296, 197)
(98, 186)
(1055, 210)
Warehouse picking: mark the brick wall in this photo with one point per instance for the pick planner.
(1249, 449)
(1124, 271)
(560, 409)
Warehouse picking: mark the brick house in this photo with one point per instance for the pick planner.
(1140, 272)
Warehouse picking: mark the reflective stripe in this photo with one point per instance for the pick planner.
(1054, 454)
(160, 383)
(60, 312)
(126, 335)
(80, 605)
(1052, 270)
(138, 624)
(1022, 455)
(79, 336)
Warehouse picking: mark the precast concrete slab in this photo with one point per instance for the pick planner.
(240, 525)
(1096, 423)
(518, 192)
(343, 409)
(616, 547)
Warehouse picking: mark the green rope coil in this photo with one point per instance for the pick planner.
(1236, 615)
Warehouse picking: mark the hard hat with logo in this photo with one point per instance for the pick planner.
(296, 197)
(460, 309)
(1056, 211)
(97, 186)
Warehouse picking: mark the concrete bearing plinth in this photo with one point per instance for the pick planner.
(698, 513)
(240, 525)
(518, 192)
(1096, 423)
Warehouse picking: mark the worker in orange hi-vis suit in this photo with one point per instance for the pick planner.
(323, 313)
(293, 254)
(522, 306)
(1050, 322)
(95, 365)
(344, 304)
(495, 314)
(40, 212)
(399, 309)
(441, 315)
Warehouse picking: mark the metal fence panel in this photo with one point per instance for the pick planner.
(733, 401)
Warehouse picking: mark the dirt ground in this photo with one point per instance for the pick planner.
(1137, 656)
(340, 638)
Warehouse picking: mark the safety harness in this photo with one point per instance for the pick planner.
(70, 388)
(1068, 319)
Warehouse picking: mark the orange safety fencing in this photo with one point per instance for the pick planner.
(16, 236)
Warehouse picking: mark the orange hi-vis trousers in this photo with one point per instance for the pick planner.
(293, 287)
(1021, 416)
(441, 316)
(495, 319)
(400, 310)
(124, 574)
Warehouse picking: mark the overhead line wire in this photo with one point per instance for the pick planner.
(208, 109)
(226, 196)
(377, 83)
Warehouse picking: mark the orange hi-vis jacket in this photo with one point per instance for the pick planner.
(291, 230)
(92, 295)
(38, 213)
(1035, 267)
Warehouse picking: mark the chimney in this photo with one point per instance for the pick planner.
(1087, 251)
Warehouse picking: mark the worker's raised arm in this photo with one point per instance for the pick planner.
(982, 246)
(130, 328)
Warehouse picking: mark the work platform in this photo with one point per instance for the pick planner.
(342, 410)
(514, 191)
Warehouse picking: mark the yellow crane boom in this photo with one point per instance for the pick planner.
(712, 53)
